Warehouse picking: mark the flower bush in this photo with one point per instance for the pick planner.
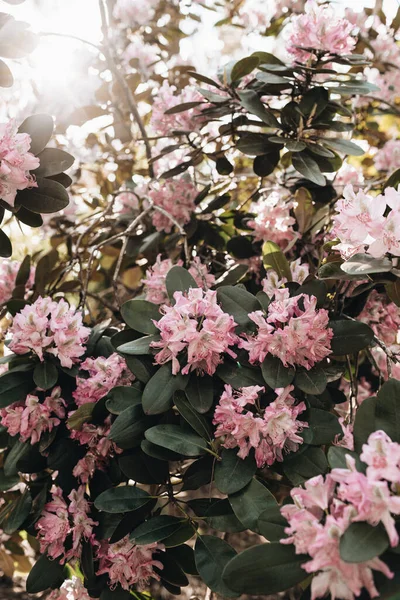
(199, 342)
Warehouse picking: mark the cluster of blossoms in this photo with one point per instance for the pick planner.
(61, 520)
(385, 48)
(387, 82)
(154, 282)
(103, 374)
(270, 431)
(195, 330)
(132, 14)
(321, 30)
(71, 589)
(141, 55)
(51, 327)
(176, 197)
(361, 223)
(293, 330)
(388, 157)
(272, 282)
(8, 275)
(273, 221)
(127, 564)
(31, 418)
(325, 508)
(348, 175)
(383, 317)
(189, 120)
(16, 162)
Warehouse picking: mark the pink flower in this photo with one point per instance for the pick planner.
(385, 48)
(188, 120)
(71, 589)
(382, 316)
(127, 564)
(346, 439)
(141, 56)
(272, 282)
(387, 82)
(154, 282)
(132, 13)
(382, 457)
(270, 432)
(298, 336)
(16, 162)
(32, 418)
(273, 221)
(103, 375)
(176, 197)
(348, 175)
(197, 331)
(321, 30)
(52, 327)
(8, 274)
(388, 157)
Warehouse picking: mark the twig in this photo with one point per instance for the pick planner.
(178, 226)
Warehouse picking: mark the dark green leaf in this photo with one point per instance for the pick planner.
(39, 127)
(45, 573)
(238, 302)
(18, 451)
(199, 423)
(305, 465)
(155, 529)
(307, 166)
(275, 374)
(15, 385)
(387, 409)
(139, 346)
(24, 271)
(45, 375)
(243, 67)
(176, 439)
(49, 197)
(128, 428)
(313, 381)
(250, 502)
(237, 376)
(200, 392)
(362, 541)
(140, 314)
(364, 423)
(212, 555)
(179, 280)
(121, 499)
(232, 473)
(324, 426)
(5, 245)
(250, 101)
(52, 162)
(157, 395)
(273, 258)
(271, 524)
(265, 165)
(344, 146)
(17, 513)
(350, 336)
(122, 397)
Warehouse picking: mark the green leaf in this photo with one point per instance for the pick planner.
(249, 503)
(238, 302)
(80, 416)
(138, 347)
(199, 423)
(121, 499)
(393, 291)
(273, 258)
(337, 458)
(45, 573)
(176, 439)
(24, 271)
(350, 336)
(313, 381)
(212, 555)
(307, 166)
(362, 541)
(364, 264)
(254, 144)
(313, 102)
(344, 146)
(45, 375)
(140, 314)
(5, 245)
(40, 128)
(265, 569)
(200, 392)
(304, 465)
(178, 108)
(324, 426)
(157, 395)
(243, 67)
(183, 533)
(15, 385)
(266, 164)
(179, 280)
(17, 513)
(155, 529)
(275, 374)
(122, 397)
(18, 451)
(49, 197)
(52, 162)
(128, 428)
(158, 452)
(232, 473)
(393, 180)
(238, 376)
(223, 166)
(364, 423)
(184, 556)
(250, 101)
(387, 409)
(142, 468)
(271, 524)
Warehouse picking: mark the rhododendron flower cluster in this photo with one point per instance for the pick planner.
(49, 327)
(273, 221)
(195, 333)
(154, 282)
(294, 330)
(71, 589)
(361, 223)
(321, 30)
(188, 120)
(388, 157)
(127, 564)
(8, 275)
(176, 197)
(31, 418)
(272, 281)
(103, 374)
(61, 520)
(387, 82)
(271, 431)
(133, 14)
(16, 162)
(346, 496)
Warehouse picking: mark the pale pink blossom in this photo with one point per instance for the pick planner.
(127, 564)
(297, 335)
(385, 48)
(71, 589)
(176, 197)
(382, 316)
(271, 432)
(321, 29)
(388, 157)
(16, 162)
(8, 274)
(382, 457)
(300, 271)
(347, 175)
(103, 374)
(132, 13)
(387, 82)
(31, 418)
(188, 120)
(273, 221)
(197, 331)
(141, 56)
(49, 327)
(154, 282)
(126, 202)
(346, 438)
